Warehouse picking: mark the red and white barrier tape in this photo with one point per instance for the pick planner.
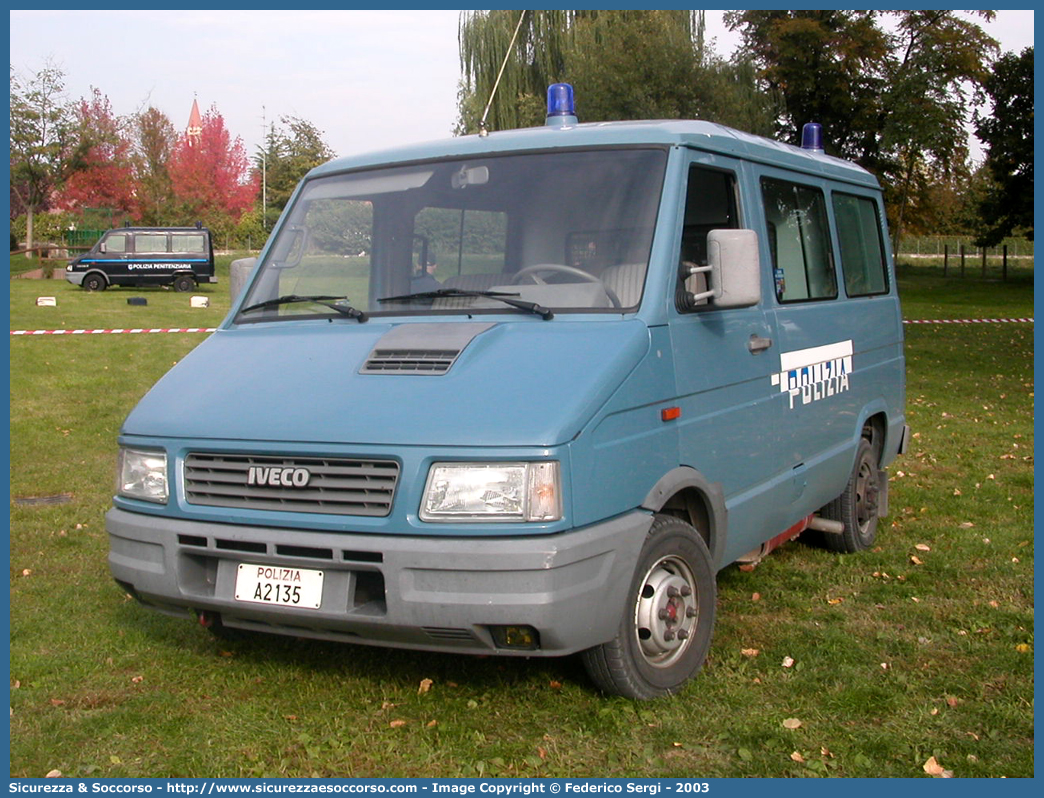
(107, 332)
(967, 321)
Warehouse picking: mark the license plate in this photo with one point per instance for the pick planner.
(274, 584)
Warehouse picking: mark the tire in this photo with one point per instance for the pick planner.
(183, 283)
(665, 632)
(94, 282)
(857, 506)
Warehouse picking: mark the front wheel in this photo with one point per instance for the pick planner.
(665, 632)
(94, 282)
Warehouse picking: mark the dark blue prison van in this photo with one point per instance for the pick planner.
(180, 257)
(526, 394)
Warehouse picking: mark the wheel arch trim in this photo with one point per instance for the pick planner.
(692, 486)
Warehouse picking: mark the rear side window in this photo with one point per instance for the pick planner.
(862, 249)
(799, 241)
(150, 242)
(194, 243)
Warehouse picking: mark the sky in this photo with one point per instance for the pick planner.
(366, 79)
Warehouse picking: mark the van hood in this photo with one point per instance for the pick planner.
(517, 383)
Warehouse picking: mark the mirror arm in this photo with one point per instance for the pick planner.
(688, 270)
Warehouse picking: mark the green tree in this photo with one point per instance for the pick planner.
(1007, 206)
(624, 65)
(895, 99)
(824, 65)
(291, 149)
(42, 125)
(153, 139)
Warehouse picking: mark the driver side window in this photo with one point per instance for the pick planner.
(710, 204)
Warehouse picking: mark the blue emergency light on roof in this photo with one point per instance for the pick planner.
(812, 137)
(561, 110)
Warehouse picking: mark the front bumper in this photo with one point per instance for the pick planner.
(430, 593)
(76, 278)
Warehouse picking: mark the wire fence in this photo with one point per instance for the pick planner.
(953, 256)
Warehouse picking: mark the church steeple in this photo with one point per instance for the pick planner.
(195, 124)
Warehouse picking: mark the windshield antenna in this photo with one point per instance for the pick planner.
(483, 131)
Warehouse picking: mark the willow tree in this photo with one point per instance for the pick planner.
(626, 64)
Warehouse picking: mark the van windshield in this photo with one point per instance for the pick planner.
(568, 231)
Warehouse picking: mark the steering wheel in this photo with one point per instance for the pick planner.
(533, 272)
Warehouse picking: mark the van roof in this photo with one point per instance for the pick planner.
(701, 135)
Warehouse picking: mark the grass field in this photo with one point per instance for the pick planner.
(922, 647)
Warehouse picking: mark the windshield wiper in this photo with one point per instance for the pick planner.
(318, 299)
(506, 298)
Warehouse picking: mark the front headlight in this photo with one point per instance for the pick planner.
(142, 475)
(493, 492)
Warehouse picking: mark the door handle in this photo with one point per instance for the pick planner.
(757, 344)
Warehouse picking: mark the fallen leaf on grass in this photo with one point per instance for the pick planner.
(1023, 648)
(57, 702)
(431, 724)
(554, 684)
(749, 652)
(755, 597)
(53, 774)
(788, 662)
(915, 560)
(138, 679)
(796, 756)
(923, 547)
(396, 724)
(425, 686)
(933, 768)
(791, 723)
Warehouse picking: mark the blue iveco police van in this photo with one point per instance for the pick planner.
(525, 394)
(146, 256)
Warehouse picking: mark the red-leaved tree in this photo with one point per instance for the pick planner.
(102, 175)
(210, 175)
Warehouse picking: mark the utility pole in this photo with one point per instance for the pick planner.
(264, 172)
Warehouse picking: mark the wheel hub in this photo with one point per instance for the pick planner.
(666, 611)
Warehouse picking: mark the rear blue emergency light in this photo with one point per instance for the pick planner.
(812, 137)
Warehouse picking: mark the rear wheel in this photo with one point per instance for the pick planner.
(857, 507)
(184, 283)
(665, 632)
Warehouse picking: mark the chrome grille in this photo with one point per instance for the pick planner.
(335, 486)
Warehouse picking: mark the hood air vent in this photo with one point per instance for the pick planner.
(421, 349)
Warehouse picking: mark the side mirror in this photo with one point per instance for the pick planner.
(102, 248)
(732, 276)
